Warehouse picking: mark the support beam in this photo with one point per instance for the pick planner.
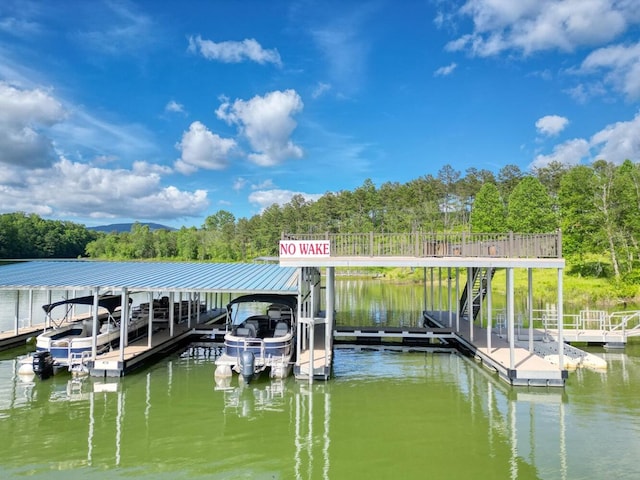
(489, 308)
(94, 337)
(124, 320)
(530, 307)
(560, 322)
(510, 318)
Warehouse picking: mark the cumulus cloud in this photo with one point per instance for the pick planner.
(614, 143)
(24, 117)
(92, 192)
(571, 152)
(534, 25)
(621, 66)
(267, 123)
(619, 141)
(266, 198)
(446, 70)
(234, 52)
(202, 148)
(551, 125)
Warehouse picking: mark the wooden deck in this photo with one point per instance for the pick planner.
(528, 369)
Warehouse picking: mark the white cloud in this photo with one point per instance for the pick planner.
(614, 143)
(619, 141)
(551, 125)
(202, 148)
(267, 123)
(239, 183)
(571, 152)
(534, 25)
(266, 198)
(621, 64)
(24, 114)
(174, 107)
(321, 89)
(91, 192)
(446, 70)
(234, 52)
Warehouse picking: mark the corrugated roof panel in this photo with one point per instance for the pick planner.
(219, 277)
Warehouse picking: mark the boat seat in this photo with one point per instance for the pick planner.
(243, 332)
(254, 326)
(281, 329)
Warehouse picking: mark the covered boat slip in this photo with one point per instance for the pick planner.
(160, 283)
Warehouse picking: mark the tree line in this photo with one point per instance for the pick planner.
(596, 206)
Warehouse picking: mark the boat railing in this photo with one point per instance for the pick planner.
(251, 344)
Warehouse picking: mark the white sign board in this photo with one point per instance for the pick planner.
(305, 248)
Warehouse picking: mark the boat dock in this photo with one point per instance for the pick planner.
(516, 365)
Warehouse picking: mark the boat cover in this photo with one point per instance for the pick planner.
(290, 301)
(108, 302)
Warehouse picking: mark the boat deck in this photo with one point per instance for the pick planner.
(528, 368)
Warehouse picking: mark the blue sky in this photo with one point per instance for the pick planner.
(114, 111)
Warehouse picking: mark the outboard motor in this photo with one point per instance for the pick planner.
(247, 364)
(43, 365)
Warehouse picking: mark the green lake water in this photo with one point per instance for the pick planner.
(384, 414)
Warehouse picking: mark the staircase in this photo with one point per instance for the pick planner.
(478, 281)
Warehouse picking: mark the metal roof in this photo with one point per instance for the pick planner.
(149, 276)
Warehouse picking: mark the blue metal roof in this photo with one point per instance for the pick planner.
(149, 276)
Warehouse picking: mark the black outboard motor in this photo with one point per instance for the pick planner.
(247, 364)
(43, 365)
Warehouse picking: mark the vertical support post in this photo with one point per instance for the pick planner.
(489, 308)
(560, 322)
(312, 328)
(172, 314)
(424, 287)
(17, 313)
(530, 307)
(433, 303)
(457, 299)
(47, 320)
(510, 318)
(449, 292)
(30, 307)
(189, 311)
(470, 301)
(94, 336)
(149, 332)
(439, 289)
(331, 300)
(180, 307)
(124, 320)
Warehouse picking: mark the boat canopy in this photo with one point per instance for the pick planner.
(290, 301)
(108, 302)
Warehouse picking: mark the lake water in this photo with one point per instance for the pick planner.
(384, 414)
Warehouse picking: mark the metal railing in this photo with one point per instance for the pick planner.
(419, 244)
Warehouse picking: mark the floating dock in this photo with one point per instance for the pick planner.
(515, 365)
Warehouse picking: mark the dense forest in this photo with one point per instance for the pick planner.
(597, 207)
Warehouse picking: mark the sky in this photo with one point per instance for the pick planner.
(118, 111)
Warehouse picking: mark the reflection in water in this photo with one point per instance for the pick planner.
(383, 412)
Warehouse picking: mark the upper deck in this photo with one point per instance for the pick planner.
(461, 249)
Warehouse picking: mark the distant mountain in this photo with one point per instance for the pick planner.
(126, 227)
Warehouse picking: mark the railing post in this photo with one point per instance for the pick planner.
(371, 244)
(511, 249)
(559, 243)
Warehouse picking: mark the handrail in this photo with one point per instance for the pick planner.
(421, 244)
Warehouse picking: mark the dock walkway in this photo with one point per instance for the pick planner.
(528, 369)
